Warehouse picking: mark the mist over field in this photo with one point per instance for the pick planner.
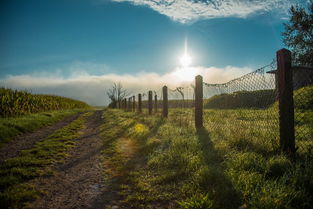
(92, 88)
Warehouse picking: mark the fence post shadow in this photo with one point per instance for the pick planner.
(215, 182)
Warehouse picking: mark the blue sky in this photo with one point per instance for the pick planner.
(61, 40)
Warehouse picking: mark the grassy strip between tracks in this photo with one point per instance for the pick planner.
(13, 126)
(16, 172)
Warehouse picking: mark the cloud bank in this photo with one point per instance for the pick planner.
(186, 11)
(92, 88)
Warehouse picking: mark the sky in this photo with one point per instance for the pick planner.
(78, 48)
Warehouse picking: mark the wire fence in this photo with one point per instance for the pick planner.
(303, 108)
(244, 109)
(180, 100)
(248, 110)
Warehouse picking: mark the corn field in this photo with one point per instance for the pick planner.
(15, 103)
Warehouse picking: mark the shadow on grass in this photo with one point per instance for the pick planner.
(114, 192)
(213, 180)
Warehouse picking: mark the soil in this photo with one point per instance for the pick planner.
(79, 181)
(26, 141)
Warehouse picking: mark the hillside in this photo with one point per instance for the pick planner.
(303, 99)
(241, 99)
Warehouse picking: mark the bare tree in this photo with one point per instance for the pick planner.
(116, 94)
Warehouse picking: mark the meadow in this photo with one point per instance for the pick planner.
(233, 162)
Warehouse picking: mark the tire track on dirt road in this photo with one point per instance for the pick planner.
(78, 183)
(27, 141)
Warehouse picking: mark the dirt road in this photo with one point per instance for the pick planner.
(26, 141)
(77, 182)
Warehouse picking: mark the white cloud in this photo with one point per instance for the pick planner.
(185, 11)
(92, 88)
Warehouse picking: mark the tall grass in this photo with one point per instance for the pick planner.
(16, 103)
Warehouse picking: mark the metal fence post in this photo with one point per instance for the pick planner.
(199, 102)
(165, 102)
(285, 99)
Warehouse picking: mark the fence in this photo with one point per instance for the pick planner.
(272, 105)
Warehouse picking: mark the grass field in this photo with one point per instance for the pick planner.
(232, 162)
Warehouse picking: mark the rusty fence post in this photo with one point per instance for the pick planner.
(199, 102)
(150, 102)
(165, 102)
(285, 100)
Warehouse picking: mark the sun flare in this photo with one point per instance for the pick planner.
(185, 60)
(185, 72)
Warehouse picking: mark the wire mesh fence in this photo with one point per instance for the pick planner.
(303, 108)
(244, 110)
(247, 110)
(181, 102)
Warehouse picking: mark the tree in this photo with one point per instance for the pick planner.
(298, 34)
(116, 94)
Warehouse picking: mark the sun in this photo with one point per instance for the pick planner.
(185, 72)
(185, 60)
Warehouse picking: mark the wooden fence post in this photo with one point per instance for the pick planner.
(165, 102)
(150, 102)
(134, 104)
(129, 107)
(155, 103)
(139, 104)
(285, 99)
(199, 102)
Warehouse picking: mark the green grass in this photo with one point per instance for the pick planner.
(15, 173)
(242, 99)
(13, 126)
(232, 162)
